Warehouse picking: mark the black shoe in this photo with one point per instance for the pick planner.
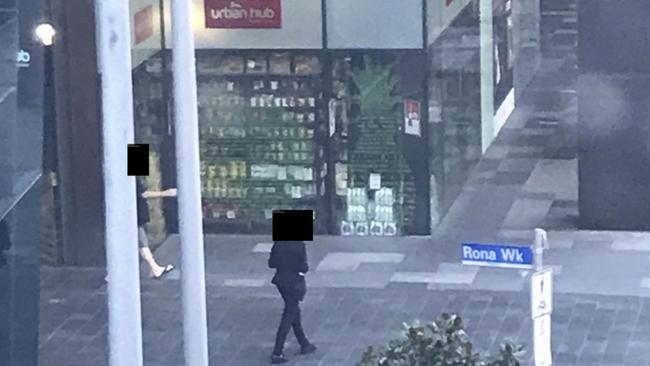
(310, 348)
(276, 359)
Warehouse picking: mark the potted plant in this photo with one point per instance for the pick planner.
(443, 342)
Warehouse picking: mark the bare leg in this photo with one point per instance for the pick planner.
(156, 269)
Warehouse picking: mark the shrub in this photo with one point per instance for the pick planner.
(443, 342)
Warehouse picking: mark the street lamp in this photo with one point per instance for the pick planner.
(45, 33)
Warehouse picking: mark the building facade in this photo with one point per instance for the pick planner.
(370, 113)
(21, 141)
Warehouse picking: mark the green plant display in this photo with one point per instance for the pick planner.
(376, 117)
(443, 342)
(376, 85)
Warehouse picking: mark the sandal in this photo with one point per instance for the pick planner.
(167, 269)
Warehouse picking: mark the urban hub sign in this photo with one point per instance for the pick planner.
(251, 14)
(23, 58)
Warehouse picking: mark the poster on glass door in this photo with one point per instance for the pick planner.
(503, 51)
(412, 117)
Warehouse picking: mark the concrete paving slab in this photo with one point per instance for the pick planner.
(339, 262)
(455, 273)
(347, 262)
(556, 176)
(560, 240)
(413, 277)
(639, 245)
(496, 279)
(599, 271)
(496, 152)
(380, 257)
(246, 282)
(645, 282)
(263, 248)
(517, 165)
(532, 151)
(342, 280)
(537, 132)
(526, 214)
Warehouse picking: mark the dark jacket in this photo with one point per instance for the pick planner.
(143, 207)
(289, 258)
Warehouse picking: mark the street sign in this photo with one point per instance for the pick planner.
(541, 293)
(542, 340)
(497, 255)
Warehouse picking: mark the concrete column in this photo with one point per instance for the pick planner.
(526, 19)
(78, 133)
(487, 74)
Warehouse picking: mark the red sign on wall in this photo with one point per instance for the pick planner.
(143, 24)
(412, 117)
(243, 14)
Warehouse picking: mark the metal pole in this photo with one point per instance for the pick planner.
(189, 186)
(539, 249)
(114, 61)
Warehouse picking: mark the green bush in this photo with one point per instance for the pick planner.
(443, 342)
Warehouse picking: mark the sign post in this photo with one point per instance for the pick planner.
(542, 337)
(541, 294)
(541, 303)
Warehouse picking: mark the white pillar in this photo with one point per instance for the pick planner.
(114, 61)
(189, 186)
(487, 73)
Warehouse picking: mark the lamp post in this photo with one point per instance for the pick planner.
(114, 61)
(195, 331)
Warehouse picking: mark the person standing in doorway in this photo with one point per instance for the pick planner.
(290, 262)
(157, 271)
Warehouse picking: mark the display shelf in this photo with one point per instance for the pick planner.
(262, 119)
(231, 77)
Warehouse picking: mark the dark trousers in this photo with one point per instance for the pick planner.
(291, 318)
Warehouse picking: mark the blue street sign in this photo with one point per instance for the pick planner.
(497, 255)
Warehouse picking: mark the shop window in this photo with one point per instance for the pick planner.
(374, 184)
(260, 121)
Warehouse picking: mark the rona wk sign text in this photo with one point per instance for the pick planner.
(497, 255)
(243, 14)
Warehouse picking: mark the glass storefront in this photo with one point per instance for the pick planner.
(269, 140)
(455, 91)
(261, 127)
(375, 172)
(371, 140)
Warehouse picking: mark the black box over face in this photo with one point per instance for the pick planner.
(293, 225)
(138, 156)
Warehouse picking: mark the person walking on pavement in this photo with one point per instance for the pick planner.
(157, 271)
(289, 258)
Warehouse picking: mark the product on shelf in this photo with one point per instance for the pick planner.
(258, 123)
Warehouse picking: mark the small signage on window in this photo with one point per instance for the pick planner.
(412, 117)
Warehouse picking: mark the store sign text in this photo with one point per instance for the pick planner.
(23, 58)
(243, 14)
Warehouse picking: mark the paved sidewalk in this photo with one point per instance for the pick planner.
(587, 330)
